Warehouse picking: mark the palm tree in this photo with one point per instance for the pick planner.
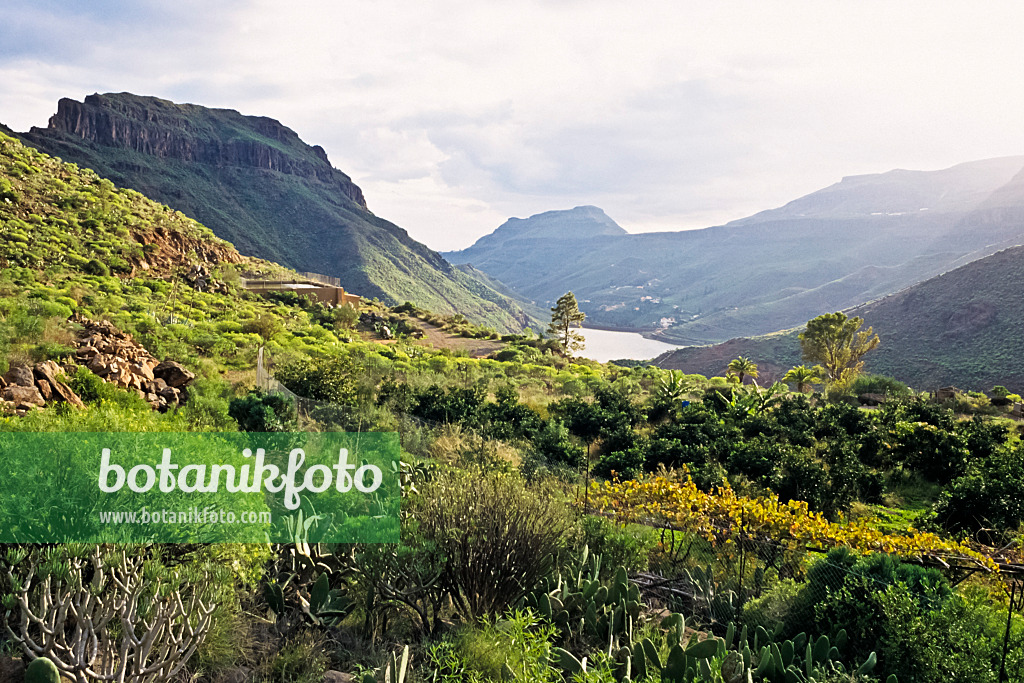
(803, 377)
(743, 367)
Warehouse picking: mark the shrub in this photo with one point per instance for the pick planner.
(989, 496)
(553, 445)
(260, 412)
(328, 378)
(879, 384)
(88, 385)
(619, 545)
(96, 267)
(771, 608)
(499, 538)
(520, 643)
(266, 326)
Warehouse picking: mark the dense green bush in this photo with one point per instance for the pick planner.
(499, 538)
(988, 500)
(324, 378)
(261, 412)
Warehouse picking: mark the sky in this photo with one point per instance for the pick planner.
(454, 115)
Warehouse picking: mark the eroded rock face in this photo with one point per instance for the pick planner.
(164, 129)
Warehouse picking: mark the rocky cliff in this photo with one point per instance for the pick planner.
(189, 133)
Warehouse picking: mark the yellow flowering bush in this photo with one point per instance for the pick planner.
(674, 501)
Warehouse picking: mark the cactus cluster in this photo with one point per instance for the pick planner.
(585, 608)
(716, 602)
(738, 659)
(325, 606)
(303, 570)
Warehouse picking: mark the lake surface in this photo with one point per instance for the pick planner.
(606, 345)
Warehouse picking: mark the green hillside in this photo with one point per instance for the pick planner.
(256, 184)
(960, 328)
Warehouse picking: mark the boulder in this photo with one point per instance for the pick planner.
(22, 397)
(170, 394)
(53, 389)
(337, 677)
(21, 375)
(142, 369)
(98, 366)
(62, 392)
(44, 388)
(871, 399)
(173, 373)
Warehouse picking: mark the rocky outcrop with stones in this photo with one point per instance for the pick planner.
(115, 357)
(199, 278)
(110, 354)
(26, 388)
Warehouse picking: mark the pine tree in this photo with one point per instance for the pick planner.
(564, 316)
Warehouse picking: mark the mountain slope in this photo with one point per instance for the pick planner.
(855, 241)
(256, 184)
(962, 328)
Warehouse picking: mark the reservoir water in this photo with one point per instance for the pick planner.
(606, 345)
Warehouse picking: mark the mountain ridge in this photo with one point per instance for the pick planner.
(828, 250)
(254, 182)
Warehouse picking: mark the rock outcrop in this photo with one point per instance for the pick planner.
(110, 354)
(25, 388)
(115, 357)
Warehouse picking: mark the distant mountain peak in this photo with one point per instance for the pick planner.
(583, 217)
(579, 223)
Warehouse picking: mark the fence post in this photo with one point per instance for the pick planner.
(1003, 676)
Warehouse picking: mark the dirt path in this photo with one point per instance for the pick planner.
(439, 339)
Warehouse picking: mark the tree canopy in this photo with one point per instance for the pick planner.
(564, 317)
(836, 342)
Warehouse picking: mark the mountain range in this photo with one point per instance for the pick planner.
(858, 240)
(256, 184)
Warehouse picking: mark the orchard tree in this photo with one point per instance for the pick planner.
(838, 344)
(564, 317)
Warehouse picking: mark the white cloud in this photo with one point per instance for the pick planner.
(453, 115)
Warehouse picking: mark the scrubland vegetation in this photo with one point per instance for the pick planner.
(544, 497)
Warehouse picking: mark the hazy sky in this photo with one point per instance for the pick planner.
(454, 115)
